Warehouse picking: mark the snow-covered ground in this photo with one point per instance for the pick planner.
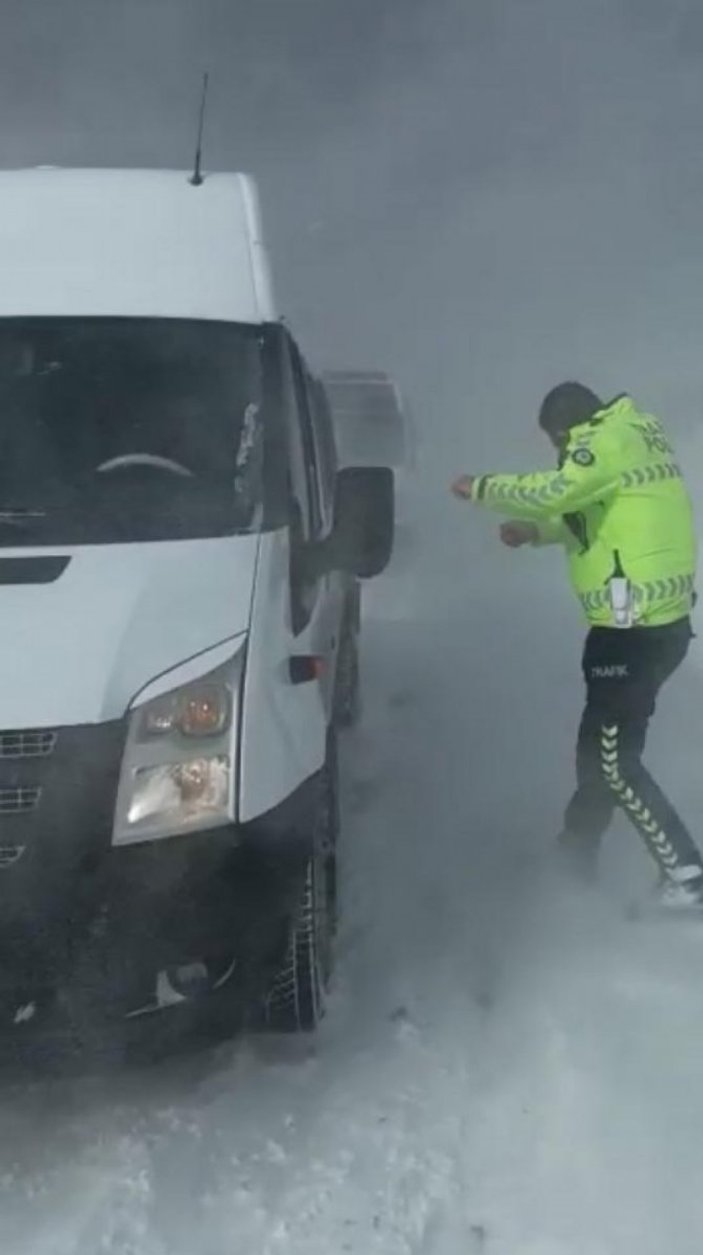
(505, 1068)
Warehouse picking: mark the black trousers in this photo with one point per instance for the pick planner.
(624, 670)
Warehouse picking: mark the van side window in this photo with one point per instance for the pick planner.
(305, 453)
(325, 445)
(304, 500)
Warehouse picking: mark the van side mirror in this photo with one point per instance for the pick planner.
(364, 521)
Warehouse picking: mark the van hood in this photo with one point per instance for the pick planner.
(77, 650)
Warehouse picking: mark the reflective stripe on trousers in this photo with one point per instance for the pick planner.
(640, 814)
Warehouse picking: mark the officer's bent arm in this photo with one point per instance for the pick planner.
(583, 479)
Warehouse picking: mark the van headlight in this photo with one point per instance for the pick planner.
(178, 765)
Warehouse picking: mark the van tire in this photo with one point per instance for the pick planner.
(296, 999)
(348, 684)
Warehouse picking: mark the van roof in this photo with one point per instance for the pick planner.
(132, 243)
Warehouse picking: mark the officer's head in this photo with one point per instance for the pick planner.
(566, 406)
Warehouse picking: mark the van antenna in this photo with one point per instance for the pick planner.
(197, 178)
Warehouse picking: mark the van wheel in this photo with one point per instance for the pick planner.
(348, 688)
(296, 999)
(330, 823)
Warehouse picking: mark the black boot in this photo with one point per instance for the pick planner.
(680, 892)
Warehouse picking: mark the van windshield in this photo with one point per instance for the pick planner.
(128, 429)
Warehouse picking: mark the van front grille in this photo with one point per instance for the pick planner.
(10, 854)
(26, 744)
(18, 801)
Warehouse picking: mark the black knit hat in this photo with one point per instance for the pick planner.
(566, 406)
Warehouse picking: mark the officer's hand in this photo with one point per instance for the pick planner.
(518, 532)
(463, 486)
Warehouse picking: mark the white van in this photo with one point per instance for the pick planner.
(179, 558)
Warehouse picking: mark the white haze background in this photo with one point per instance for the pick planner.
(483, 198)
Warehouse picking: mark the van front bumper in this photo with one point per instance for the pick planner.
(74, 909)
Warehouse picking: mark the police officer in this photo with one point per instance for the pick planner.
(618, 504)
